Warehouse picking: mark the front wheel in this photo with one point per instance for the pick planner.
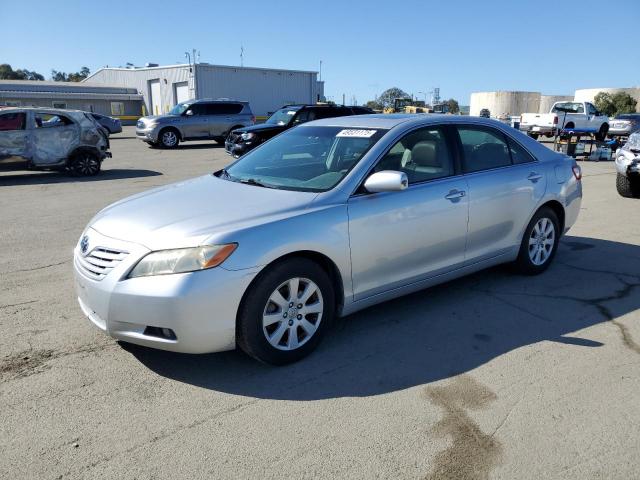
(602, 133)
(539, 243)
(286, 312)
(628, 187)
(168, 138)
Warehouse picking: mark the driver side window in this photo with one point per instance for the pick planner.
(422, 154)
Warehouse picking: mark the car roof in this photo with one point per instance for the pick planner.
(389, 121)
(211, 100)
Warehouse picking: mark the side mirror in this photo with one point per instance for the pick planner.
(386, 181)
(188, 113)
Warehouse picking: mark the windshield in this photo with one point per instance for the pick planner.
(282, 116)
(309, 159)
(179, 109)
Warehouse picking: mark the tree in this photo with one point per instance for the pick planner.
(453, 105)
(57, 76)
(615, 104)
(8, 73)
(387, 97)
(373, 105)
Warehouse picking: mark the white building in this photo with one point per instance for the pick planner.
(265, 89)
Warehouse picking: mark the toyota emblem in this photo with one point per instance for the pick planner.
(84, 245)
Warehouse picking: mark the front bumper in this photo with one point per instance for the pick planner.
(625, 165)
(237, 149)
(200, 307)
(147, 134)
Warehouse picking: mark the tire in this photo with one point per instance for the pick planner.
(602, 133)
(533, 135)
(628, 187)
(168, 138)
(536, 253)
(85, 164)
(266, 311)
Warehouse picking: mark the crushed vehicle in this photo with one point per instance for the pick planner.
(203, 119)
(242, 140)
(628, 167)
(51, 139)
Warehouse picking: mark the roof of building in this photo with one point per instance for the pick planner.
(49, 89)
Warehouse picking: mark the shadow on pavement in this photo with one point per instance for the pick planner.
(436, 333)
(41, 178)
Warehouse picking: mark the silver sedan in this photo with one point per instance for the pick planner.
(319, 222)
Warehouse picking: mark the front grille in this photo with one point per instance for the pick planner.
(233, 137)
(100, 261)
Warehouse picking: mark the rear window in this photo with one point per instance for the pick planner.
(571, 107)
(222, 108)
(12, 121)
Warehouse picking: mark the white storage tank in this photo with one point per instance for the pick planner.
(547, 101)
(504, 103)
(589, 94)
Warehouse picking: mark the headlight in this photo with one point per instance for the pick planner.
(181, 260)
(247, 136)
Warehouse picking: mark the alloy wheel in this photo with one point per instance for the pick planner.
(541, 241)
(86, 165)
(169, 139)
(292, 314)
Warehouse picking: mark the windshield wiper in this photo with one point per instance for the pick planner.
(253, 181)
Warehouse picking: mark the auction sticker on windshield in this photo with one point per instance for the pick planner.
(356, 133)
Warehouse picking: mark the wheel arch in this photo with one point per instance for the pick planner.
(83, 149)
(326, 263)
(170, 127)
(557, 208)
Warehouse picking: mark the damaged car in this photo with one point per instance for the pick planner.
(628, 167)
(51, 139)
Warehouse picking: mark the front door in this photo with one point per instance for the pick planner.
(398, 238)
(54, 136)
(14, 137)
(505, 183)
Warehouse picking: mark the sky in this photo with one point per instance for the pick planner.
(460, 46)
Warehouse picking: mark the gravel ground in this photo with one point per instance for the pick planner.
(491, 376)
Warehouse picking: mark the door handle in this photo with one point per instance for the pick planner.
(534, 177)
(454, 195)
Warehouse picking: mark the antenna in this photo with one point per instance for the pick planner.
(241, 56)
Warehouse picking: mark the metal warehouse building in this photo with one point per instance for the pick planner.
(265, 89)
(122, 102)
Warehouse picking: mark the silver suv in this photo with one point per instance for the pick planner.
(195, 120)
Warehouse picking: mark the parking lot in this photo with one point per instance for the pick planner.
(491, 376)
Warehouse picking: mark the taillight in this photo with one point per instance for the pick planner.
(253, 119)
(555, 120)
(577, 172)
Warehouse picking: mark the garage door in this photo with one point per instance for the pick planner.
(156, 101)
(182, 92)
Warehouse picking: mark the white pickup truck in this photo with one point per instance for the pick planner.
(567, 115)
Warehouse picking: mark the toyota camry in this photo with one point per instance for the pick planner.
(321, 221)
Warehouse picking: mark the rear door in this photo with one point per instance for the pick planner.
(227, 117)
(54, 136)
(505, 184)
(14, 137)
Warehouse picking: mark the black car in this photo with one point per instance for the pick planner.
(241, 140)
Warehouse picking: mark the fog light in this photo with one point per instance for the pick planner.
(164, 333)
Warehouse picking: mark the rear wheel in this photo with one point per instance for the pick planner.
(533, 135)
(539, 243)
(286, 312)
(85, 164)
(168, 138)
(628, 187)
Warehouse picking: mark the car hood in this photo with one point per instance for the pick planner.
(195, 212)
(263, 127)
(158, 118)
